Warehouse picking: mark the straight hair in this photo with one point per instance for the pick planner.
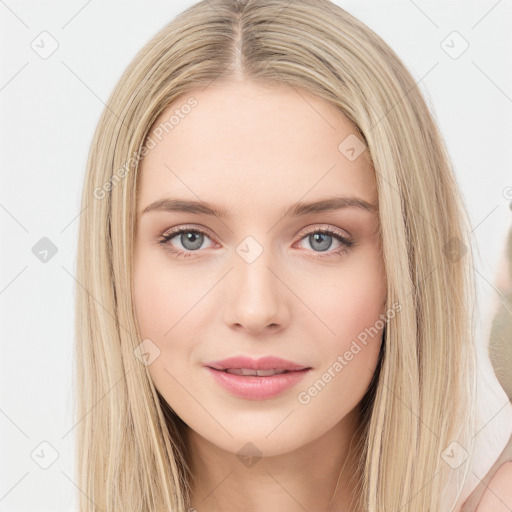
(131, 453)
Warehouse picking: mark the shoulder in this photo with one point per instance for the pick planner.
(497, 496)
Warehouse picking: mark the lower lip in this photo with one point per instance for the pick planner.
(257, 388)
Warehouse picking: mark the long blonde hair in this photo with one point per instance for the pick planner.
(130, 447)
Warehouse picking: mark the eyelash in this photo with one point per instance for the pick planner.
(164, 239)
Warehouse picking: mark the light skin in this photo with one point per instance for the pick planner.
(254, 150)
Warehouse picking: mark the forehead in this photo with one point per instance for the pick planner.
(251, 144)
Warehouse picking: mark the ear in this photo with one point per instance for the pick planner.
(498, 495)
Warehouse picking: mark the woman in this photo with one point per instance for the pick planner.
(277, 314)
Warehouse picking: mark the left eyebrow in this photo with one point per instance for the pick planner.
(295, 210)
(331, 204)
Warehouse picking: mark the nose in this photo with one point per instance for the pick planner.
(257, 301)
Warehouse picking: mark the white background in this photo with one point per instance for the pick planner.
(49, 109)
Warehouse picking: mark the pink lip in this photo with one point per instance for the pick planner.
(264, 363)
(257, 388)
(253, 387)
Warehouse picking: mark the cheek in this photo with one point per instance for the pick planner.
(162, 294)
(152, 297)
(349, 356)
(351, 299)
(163, 299)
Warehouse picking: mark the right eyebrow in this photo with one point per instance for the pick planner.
(187, 206)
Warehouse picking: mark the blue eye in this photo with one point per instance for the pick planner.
(321, 239)
(192, 239)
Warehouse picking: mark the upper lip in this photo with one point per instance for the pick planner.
(264, 363)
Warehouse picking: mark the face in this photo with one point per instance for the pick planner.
(258, 278)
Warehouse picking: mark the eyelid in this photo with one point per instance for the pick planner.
(322, 227)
